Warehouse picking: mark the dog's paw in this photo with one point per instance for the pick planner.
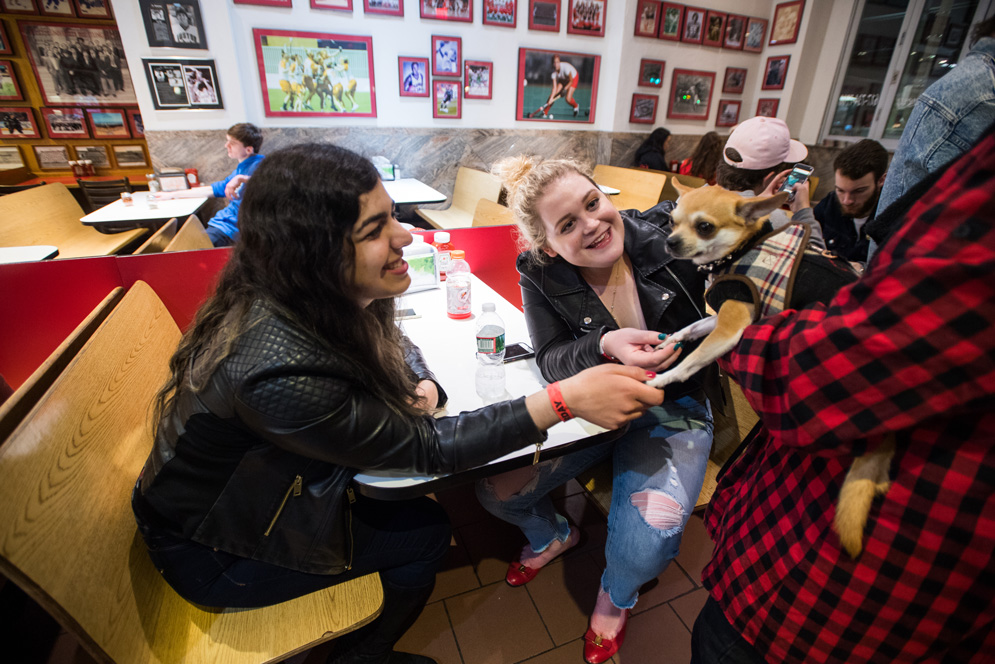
(664, 379)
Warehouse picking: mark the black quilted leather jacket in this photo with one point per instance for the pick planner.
(259, 463)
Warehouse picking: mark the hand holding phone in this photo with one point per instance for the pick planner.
(798, 175)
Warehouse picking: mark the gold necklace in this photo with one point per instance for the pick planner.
(611, 307)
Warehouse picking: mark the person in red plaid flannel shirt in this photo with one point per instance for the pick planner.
(909, 349)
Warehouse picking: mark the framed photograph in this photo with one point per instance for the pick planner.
(181, 83)
(135, 122)
(52, 157)
(447, 53)
(57, 7)
(756, 31)
(18, 6)
(130, 156)
(453, 10)
(95, 153)
(544, 15)
(586, 17)
(691, 94)
(92, 8)
(477, 76)
(647, 18)
(18, 123)
(715, 28)
(108, 123)
(734, 80)
(173, 24)
(5, 46)
(10, 90)
(651, 72)
(787, 20)
(775, 72)
(446, 101)
(339, 5)
(266, 3)
(643, 109)
(694, 25)
(767, 107)
(728, 113)
(65, 123)
(411, 76)
(386, 7)
(557, 86)
(671, 21)
(501, 12)
(348, 88)
(10, 158)
(54, 49)
(735, 32)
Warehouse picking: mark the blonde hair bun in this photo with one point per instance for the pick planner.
(513, 171)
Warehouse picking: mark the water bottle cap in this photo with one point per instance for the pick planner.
(417, 237)
(458, 254)
(441, 237)
(489, 306)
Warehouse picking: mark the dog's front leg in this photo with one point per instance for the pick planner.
(695, 330)
(732, 319)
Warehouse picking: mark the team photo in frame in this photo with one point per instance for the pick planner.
(544, 15)
(586, 17)
(503, 13)
(690, 94)
(447, 10)
(52, 157)
(65, 123)
(557, 86)
(385, 7)
(173, 24)
(95, 153)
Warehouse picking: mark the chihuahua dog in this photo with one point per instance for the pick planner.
(757, 272)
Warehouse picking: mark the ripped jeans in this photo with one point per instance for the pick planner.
(658, 469)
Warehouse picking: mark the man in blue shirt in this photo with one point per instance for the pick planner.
(242, 142)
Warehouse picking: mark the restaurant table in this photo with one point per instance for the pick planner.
(38, 252)
(409, 191)
(611, 191)
(449, 347)
(117, 216)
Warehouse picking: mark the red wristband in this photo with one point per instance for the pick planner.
(559, 405)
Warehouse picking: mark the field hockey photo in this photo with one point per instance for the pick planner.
(557, 86)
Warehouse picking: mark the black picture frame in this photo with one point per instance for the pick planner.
(181, 83)
(164, 24)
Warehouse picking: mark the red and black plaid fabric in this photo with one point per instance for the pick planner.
(910, 348)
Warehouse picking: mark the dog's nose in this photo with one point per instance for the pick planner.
(673, 243)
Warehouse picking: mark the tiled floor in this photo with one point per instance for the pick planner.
(473, 617)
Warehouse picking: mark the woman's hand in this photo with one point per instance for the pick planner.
(428, 396)
(610, 395)
(637, 348)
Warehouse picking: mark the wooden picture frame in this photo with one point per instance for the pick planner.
(108, 123)
(478, 79)
(728, 115)
(95, 153)
(734, 80)
(384, 7)
(446, 99)
(767, 107)
(136, 122)
(647, 18)
(412, 76)
(672, 18)
(444, 13)
(690, 94)
(6, 48)
(643, 109)
(651, 72)
(10, 89)
(357, 100)
(756, 32)
(786, 23)
(127, 156)
(693, 30)
(735, 33)
(18, 6)
(11, 158)
(51, 157)
(586, 17)
(535, 86)
(17, 123)
(503, 13)
(94, 9)
(715, 28)
(775, 72)
(62, 8)
(447, 55)
(334, 5)
(173, 24)
(265, 3)
(544, 15)
(65, 123)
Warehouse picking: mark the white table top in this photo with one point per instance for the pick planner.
(139, 211)
(409, 191)
(27, 254)
(450, 347)
(611, 191)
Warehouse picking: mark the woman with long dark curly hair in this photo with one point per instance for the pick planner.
(293, 378)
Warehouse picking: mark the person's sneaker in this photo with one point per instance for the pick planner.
(576, 111)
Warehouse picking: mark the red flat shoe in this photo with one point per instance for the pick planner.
(519, 574)
(598, 649)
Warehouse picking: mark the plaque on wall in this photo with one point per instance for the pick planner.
(173, 24)
(177, 83)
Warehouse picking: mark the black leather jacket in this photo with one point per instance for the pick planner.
(259, 463)
(566, 318)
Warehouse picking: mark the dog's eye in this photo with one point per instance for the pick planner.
(704, 228)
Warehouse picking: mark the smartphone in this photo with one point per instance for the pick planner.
(404, 314)
(797, 175)
(517, 352)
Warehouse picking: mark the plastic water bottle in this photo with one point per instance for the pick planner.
(489, 376)
(458, 286)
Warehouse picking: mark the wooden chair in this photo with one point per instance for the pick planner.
(489, 213)
(68, 536)
(99, 193)
(160, 239)
(14, 188)
(51, 215)
(190, 236)
(670, 194)
(471, 186)
(813, 184)
(639, 188)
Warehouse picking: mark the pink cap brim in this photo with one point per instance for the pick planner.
(796, 151)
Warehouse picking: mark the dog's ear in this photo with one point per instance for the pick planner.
(757, 207)
(681, 189)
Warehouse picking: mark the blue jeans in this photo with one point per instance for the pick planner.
(665, 452)
(715, 641)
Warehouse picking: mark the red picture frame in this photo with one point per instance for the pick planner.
(672, 18)
(735, 32)
(103, 11)
(7, 70)
(474, 71)
(693, 28)
(342, 5)
(385, 11)
(444, 93)
(447, 55)
(787, 22)
(714, 30)
(643, 109)
(443, 13)
(98, 118)
(5, 45)
(502, 13)
(60, 11)
(532, 103)
(417, 86)
(734, 80)
(136, 122)
(767, 107)
(22, 115)
(651, 72)
(690, 94)
(587, 18)
(265, 3)
(728, 115)
(17, 7)
(539, 18)
(775, 72)
(647, 18)
(756, 32)
(65, 123)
